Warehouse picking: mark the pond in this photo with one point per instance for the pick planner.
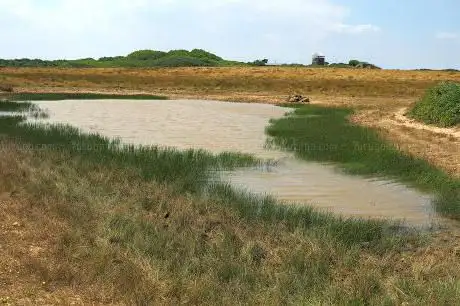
(222, 126)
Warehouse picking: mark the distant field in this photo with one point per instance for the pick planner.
(228, 80)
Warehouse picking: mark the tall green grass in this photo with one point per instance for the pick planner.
(31, 109)
(326, 135)
(440, 105)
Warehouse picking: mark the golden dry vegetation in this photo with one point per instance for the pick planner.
(268, 82)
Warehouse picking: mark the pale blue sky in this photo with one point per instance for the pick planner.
(391, 33)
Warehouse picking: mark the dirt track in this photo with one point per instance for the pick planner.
(399, 118)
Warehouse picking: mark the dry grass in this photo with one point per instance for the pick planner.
(183, 249)
(223, 81)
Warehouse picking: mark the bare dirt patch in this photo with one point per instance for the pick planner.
(440, 146)
(400, 118)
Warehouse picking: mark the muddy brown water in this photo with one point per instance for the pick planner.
(220, 126)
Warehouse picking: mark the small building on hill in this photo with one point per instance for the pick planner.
(318, 59)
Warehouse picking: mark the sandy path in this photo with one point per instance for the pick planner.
(399, 118)
(439, 146)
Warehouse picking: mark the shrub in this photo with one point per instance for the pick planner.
(439, 106)
(144, 55)
(262, 62)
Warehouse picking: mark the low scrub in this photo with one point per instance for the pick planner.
(439, 106)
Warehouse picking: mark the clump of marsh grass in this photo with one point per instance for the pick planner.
(440, 105)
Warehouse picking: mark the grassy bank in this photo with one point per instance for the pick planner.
(326, 135)
(137, 225)
(439, 106)
(56, 96)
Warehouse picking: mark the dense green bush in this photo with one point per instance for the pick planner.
(143, 55)
(440, 105)
(136, 59)
(202, 54)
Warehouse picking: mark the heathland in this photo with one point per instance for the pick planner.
(142, 226)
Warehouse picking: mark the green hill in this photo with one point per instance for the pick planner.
(154, 58)
(137, 59)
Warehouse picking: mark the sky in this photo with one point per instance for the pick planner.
(393, 34)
